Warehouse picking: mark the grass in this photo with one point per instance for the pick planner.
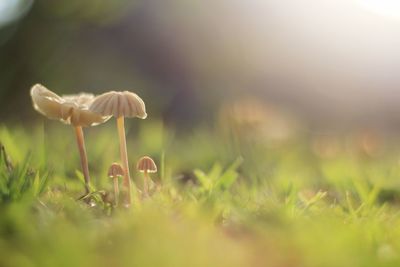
(226, 199)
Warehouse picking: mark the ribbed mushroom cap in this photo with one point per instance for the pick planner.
(117, 104)
(115, 170)
(70, 109)
(146, 164)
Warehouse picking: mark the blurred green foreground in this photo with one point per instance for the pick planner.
(227, 198)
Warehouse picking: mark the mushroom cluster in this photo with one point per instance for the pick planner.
(84, 110)
(121, 105)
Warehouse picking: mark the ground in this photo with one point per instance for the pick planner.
(221, 198)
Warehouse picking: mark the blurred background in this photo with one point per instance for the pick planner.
(328, 65)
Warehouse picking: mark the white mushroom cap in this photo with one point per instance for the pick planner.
(117, 104)
(146, 164)
(71, 109)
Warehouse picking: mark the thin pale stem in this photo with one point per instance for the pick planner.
(82, 152)
(116, 190)
(124, 159)
(146, 184)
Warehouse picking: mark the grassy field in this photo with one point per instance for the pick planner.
(224, 198)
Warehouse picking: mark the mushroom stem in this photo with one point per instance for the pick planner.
(146, 184)
(124, 159)
(116, 190)
(82, 152)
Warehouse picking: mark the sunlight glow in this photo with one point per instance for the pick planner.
(385, 8)
(12, 10)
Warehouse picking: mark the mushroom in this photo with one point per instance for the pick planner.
(121, 105)
(146, 165)
(114, 172)
(71, 109)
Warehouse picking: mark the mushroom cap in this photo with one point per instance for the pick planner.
(117, 104)
(146, 164)
(115, 170)
(69, 109)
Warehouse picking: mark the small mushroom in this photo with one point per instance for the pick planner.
(114, 172)
(146, 165)
(71, 109)
(121, 105)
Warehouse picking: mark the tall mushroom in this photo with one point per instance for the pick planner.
(121, 105)
(146, 165)
(70, 109)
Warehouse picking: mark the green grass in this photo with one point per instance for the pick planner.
(225, 200)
